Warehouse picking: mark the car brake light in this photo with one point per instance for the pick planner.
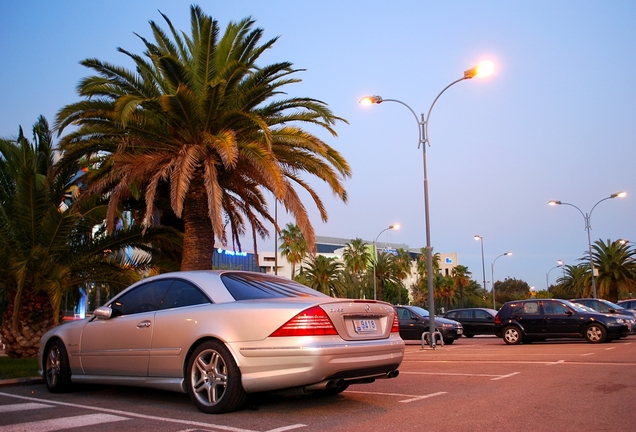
(497, 319)
(395, 327)
(310, 322)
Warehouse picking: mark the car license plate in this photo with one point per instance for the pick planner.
(365, 326)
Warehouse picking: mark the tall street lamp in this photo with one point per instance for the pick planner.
(375, 254)
(588, 227)
(483, 69)
(547, 275)
(483, 266)
(492, 277)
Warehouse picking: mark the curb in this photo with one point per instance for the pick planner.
(21, 381)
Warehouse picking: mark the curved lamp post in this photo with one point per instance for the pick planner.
(588, 227)
(375, 255)
(492, 277)
(547, 275)
(483, 69)
(483, 266)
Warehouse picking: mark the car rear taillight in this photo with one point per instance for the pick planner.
(395, 327)
(497, 319)
(311, 322)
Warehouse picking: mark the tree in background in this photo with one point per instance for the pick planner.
(356, 257)
(387, 272)
(323, 274)
(293, 246)
(197, 117)
(616, 266)
(51, 244)
(461, 278)
(511, 289)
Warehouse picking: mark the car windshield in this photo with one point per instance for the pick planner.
(578, 307)
(613, 305)
(420, 311)
(244, 286)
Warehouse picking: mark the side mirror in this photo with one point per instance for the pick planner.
(568, 312)
(103, 312)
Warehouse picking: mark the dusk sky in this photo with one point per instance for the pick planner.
(556, 120)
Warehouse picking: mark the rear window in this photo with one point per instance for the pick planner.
(255, 286)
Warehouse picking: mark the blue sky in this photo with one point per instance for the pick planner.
(555, 120)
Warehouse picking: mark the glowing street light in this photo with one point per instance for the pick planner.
(375, 253)
(483, 69)
(547, 283)
(492, 277)
(588, 227)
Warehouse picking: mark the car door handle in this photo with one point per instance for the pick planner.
(144, 324)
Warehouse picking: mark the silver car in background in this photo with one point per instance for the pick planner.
(221, 335)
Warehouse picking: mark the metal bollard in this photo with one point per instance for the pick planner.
(437, 337)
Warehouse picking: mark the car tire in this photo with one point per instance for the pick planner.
(213, 379)
(512, 335)
(595, 333)
(448, 341)
(57, 371)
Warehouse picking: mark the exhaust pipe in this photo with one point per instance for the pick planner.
(327, 384)
(393, 373)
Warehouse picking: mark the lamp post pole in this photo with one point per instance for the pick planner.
(492, 277)
(547, 275)
(375, 257)
(483, 266)
(588, 227)
(482, 69)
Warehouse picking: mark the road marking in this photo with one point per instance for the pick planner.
(587, 354)
(412, 398)
(63, 423)
(506, 376)
(611, 348)
(148, 417)
(23, 407)
(556, 362)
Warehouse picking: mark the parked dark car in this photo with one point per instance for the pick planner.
(414, 321)
(607, 307)
(476, 321)
(628, 304)
(531, 320)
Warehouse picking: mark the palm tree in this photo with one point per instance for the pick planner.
(197, 118)
(293, 245)
(356, 257)
(574, 283)
(404, 263)
(616, 268)
(461, 278)
(51, 245)
(324, 274)
(386, 272)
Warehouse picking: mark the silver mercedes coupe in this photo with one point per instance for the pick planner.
(220, 335)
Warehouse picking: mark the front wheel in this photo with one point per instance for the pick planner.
(214, 380)
(595, 333)
(57, 372)
(512, 335)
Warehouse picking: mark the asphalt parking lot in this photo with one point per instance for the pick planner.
(477, 384)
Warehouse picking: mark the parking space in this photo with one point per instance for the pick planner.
(475, 384)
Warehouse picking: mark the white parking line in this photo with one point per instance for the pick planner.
(62, 423)
(22, 407)
(587, 354)
(506, 376)
(412, 398)
(494, 377)
(147, 417)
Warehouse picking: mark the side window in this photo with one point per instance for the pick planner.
(560, 309)
(466, 314)
(404, 314)
(183, 294)
(482, 315)
(144, 298)
(531, 308)
(452, 315)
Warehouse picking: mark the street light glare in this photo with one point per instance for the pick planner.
(619, 194)
(485, 68)
(508, 253)
(370, 100)
(395, 226)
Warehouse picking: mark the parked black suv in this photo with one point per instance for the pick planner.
(531, 320)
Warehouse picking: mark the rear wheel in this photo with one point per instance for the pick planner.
(512, 335)
(57, 372)
(213, 379)
(595, 333)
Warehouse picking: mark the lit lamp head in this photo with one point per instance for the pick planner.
(483, 70)
(370, 100)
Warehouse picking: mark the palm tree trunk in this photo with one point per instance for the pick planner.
(198, 239)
